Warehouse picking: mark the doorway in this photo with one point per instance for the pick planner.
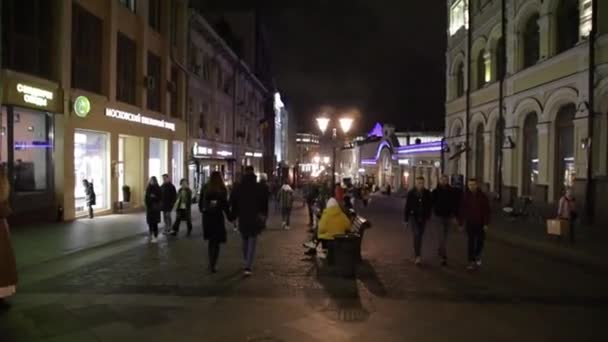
(129, 170)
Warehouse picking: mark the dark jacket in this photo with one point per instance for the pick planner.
(91, 198)
(169, 196)
(474, 209)
(445, 201)
(249, 204)
(153, 203)
(214, 207)
(188, 199)
(418, 205)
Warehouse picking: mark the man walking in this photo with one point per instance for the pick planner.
(418, 208)
(285, 199)
(475, 216)
(183, 208)
(311, 192)
(168, 198)
(445, 207)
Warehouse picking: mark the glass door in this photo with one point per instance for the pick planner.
(91, 162)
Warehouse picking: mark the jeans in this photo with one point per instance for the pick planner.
(418, 232)
(249, 250)
(153, 228)
(476, 236)
(286, 215)
(214, 253)
(182, 215)
(444, 226)
(167, 220)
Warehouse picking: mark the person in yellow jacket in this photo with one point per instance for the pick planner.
(333, 221)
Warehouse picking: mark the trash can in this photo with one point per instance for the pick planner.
(345, 248)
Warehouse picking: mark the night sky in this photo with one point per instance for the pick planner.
(384, 58)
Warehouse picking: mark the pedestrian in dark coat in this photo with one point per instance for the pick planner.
(169, 196)
(213, 204)
(418, 207)
(249, 204)
(183, 207)
(153, 201)
(475, 216)
(90, 198)
(446, 209)
(8, 265)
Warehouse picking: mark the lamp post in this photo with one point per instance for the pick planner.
(345, 125)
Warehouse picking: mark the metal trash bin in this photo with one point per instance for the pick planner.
(345, 255)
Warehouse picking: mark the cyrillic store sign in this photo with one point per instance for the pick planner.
(138, 118)
(27, 94)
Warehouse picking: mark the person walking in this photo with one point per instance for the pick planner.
(169, 196)
(153, 201)
(418, 208)
(445, 208)
(213, 205)
(8, 265)
(183, 207)
(249, 204)
(90, 196)
(286, 203)
(311, 193)
(475, 216)
(567, 211)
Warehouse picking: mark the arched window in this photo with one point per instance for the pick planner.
(530, 157)
(531, 41)
(499, 137)
(567, 25)
(481, 69)
(479, 152)
(460, 80)
(564, 166)
(501, 66)
(456, 163)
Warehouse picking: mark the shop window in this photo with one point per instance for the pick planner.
(565, 171)
(31, 150)
(157, 163)
(458, 16)
(530, 162)
(153, 83)
(482, 71)
(86, 50)
(3, 138)
(125, 69)
(154, 14)
(91, 162)
(531, 42)
(568, 24)
(177, 161)
(460, 80)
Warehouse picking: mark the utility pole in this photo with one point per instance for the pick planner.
(502, 70)
(468, 93)
(591, 116)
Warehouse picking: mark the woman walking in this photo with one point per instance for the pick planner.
(567, 211)
(153, 207)
(213, 205)
(8, 266)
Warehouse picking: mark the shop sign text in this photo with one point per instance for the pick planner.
(145, 120)
(35, 96)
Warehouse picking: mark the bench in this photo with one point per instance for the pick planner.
(344, 252)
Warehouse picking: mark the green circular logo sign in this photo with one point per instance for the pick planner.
(82, 106)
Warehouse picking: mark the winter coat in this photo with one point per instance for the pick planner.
(312, 192)
(249, 204)
(178, 202)
(474, 209)
(445, 201)
(213, 206)
(418, 205)
(90, 195)
(153, 201)
(8, 265)
(286, 197)
(333, 221)
(566, 208)
(169, 196)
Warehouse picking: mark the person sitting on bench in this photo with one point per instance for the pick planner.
(333, 222)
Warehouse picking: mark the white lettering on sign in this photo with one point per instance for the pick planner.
(145, 120)
(33, 95)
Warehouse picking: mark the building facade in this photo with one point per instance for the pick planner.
(226, 106)
(93, 90)
(551, 131)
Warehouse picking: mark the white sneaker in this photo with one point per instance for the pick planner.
(287, 228)
(322, 255)
(310, 245)
(153, 240)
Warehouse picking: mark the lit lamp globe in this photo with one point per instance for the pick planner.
(346, 124)
(323, 123)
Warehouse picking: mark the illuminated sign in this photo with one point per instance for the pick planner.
(257, 155)
(33, 95)
(224, 153)
(145, 120)
(82, 106)
(201, 150)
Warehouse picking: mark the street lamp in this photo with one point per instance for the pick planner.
(346, 124)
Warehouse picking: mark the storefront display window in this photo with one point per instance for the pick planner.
(121, 167)
(31, 150)
(157, 164)
(91, 163)
(177, 161)
(3, 138)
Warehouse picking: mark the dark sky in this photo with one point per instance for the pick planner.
(383, 57)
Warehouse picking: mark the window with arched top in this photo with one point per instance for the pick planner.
(531, 41)
(564, 166)
(481, 69)
(479, 153)
(568, 25)
(501, 63)
(530, 155)
(460, 80)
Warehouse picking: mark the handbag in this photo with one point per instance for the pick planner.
(557, 227)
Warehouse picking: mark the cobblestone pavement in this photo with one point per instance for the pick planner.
(163, 293)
